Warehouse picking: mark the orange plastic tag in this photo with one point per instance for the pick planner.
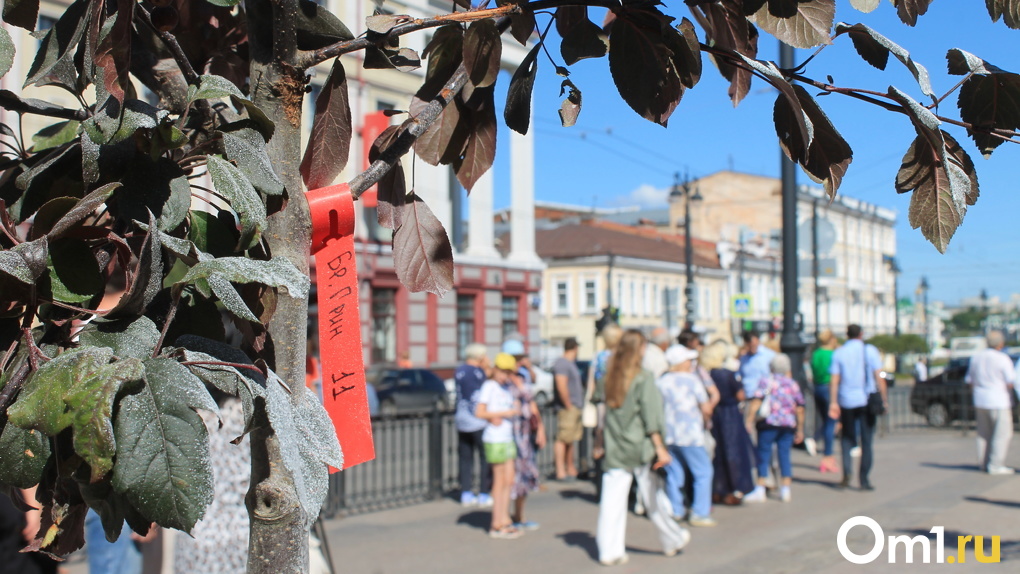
(343, 367)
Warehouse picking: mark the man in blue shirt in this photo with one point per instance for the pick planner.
(856, 372)
(469, 378)
(754, 363)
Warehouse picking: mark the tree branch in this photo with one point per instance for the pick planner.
(171, 43)
(312, 58)
(11, 102)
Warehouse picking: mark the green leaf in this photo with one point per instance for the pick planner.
(116, 123)
(162, 463)
(483, 49)
(211, 87)
(54, 136)
(83, 208)
(54, 62)
(219, 273)
(875, 49)
(135, 338)
(26, 262)
(989, 100)
(24, 454)
(21, 13)
(157, 186)
(245, 384)
(91, 403)
(809, 28)
(235, 188)
(517, 113)
(6, 52)
(245, 146)
(74, 272)
(262, 122)
(329, 143)
(211, 233)
(308, 443)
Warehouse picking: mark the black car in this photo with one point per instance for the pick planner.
(407, 390)
(947, 397)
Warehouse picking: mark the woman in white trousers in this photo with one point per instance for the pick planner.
(632, 441)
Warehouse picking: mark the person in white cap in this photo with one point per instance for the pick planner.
(687, 405)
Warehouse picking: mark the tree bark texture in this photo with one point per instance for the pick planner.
(278, 541)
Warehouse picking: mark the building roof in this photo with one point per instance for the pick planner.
(592, 239)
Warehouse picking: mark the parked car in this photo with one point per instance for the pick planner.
(407, 390)
(946, 397)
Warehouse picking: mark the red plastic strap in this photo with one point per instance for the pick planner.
(343, 367)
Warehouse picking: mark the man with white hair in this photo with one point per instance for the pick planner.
(991, 375)
(655, 352)
(469, 378)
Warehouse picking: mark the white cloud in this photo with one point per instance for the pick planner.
(644, 195)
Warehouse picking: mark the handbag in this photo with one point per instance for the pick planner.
(765, 408)
(589, 412)
(876, 406)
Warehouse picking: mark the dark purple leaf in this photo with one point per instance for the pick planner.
(909, 10)
(941, 192)
(567, 17)
(422, 254)
(383, 23)
(1008, 10)
(392, 196)
(639, 60)
(517, 113)
(480, 150)
(445, 140)
(483, 49)
(330, 141)
(828, 156)
(810, 27)
(21, 13)
(581, 38)
(875, 49)
(114, 53)
(727, 28)
(683, 42)
(989, 99)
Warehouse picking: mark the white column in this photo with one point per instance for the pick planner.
(480, 228)
(522, 197)
(432, 184)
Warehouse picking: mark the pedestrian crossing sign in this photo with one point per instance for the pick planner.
(741, 305)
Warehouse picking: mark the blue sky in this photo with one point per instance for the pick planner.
(614, 157)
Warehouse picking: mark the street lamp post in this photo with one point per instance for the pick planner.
(924, 302)
(690, 305)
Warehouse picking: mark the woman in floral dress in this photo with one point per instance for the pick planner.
(526, 471)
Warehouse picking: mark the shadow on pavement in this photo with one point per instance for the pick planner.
(942, 466)
(826, 483)
(480, 519)
(1006, 503)
(582, 540)
(579, 495)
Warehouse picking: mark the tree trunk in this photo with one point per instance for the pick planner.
(278, 541)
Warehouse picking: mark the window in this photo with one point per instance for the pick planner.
(511, 315)
(562, 300)
(632, 305)
(590, 296)
(658, 300)
(384, 325)
(465, 323)
(619, 296)
(646, 301)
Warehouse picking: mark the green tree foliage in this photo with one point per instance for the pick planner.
(901, 345)
(968, 322)
(97, 406)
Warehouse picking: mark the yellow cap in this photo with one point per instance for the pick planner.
(506, 362)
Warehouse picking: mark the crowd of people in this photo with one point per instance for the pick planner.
(688, 425)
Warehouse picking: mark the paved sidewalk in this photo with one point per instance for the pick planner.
(923, 480)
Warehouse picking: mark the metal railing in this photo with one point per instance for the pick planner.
(416, 454)
(416, 461)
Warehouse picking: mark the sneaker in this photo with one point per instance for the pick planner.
(784, 494)
(505, 533)
(702, 521)
(484, 501)
(865, 485)
(1000, 470)
(527, 525)
(855, 452)
(685, 537)
(616, 561)
(756, 495)
(845, 482)
(639, 507)
(810, 446)
(468, 499)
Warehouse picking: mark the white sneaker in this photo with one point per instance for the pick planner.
(784, 494)
(1000, 470)
(855, 452)
(756, 495)
(685, 537)
(810, 447)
